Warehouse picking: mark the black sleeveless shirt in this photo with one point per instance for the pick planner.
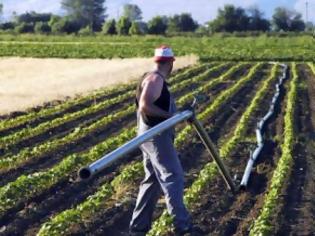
(163, 102)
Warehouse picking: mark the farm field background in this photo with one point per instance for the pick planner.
(42, 148)
(293, 48)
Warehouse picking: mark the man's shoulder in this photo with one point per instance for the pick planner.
(152, 77)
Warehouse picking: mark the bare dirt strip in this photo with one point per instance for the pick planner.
(29, 82)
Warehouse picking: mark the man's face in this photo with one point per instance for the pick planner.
(171, 64)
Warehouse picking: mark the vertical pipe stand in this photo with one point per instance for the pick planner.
(213, 153)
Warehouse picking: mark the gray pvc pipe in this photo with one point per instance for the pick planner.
(259, 135)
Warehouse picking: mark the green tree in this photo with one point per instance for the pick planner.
(33, 17)
(182, 23)
(24, 28)
(157, 25)
(86, 12)
(287, 20)
(230, 19)
(1, 10)
(65, 25)
(309, 26)
(85, 31)
(109, 27)
(42, 28)
(135, 29)
(123, 26)
(132, 12)
(256, 20)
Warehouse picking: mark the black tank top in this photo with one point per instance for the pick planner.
(163, 102)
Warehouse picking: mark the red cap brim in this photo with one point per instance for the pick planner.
(158, 59)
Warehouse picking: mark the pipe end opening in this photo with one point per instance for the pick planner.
(84, 173)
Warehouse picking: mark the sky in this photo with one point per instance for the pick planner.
(201, 10)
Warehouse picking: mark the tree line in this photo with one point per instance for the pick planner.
(87, 17)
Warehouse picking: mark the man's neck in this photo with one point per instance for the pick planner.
(163, 73)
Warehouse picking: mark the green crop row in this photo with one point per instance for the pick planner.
(61, 223)
(263, 224)
(212, 48)
(10, 194)
(29, 132)
(28, 153)
(201, 77)
(164, 224)
(206, 87)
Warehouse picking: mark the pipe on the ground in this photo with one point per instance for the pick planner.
(259, 130)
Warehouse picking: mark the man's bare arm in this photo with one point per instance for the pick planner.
(151, 91)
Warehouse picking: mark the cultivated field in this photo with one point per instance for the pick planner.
(41, 151)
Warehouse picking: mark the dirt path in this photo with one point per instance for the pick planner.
(28, 82)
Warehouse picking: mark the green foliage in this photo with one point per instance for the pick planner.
(263, 224)
(256, 21)
(182, 23)
(157, 25)
(28, 132)
(1, 9)
(230, 19)
(85, 31)
(123, 26)
(33, 17)
(135, 29)
(216, 48)
(109, 27)
(24, 28)
(86, 13)
(287, 20)
(132, 12)
(42, 28)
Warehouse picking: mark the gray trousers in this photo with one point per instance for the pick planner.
(163, 171)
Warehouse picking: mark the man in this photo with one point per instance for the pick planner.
(162, 167)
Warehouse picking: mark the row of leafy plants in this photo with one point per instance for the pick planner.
(211, 48)
(263, 224)
(63, 222)
(10, 162)
(33, 184)
(206, 87)
(241, 129)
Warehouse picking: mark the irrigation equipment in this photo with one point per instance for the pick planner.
(187, 115)
(259, 130)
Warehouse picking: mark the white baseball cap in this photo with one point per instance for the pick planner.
(163, 53)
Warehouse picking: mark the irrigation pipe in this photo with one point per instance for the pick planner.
(259, 129)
